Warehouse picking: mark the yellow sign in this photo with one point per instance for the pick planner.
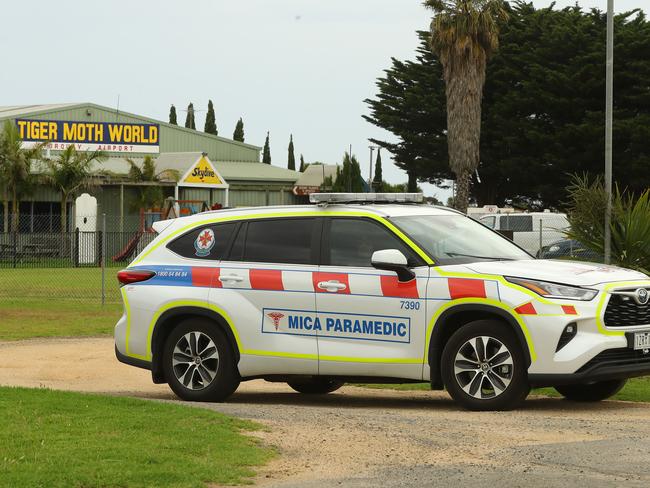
(203, 173)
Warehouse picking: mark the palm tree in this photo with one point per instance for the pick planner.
(16, 169)
(69, 173)
(464, 34)
(150, 195)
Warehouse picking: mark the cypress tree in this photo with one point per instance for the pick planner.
(238, 135)
(378, 178)
(210, 120)
(266, 154)
(348, 179)
(303, 166)
(172, 115)
(291, 164)
(189, 120)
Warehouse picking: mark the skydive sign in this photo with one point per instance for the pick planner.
(90, 136)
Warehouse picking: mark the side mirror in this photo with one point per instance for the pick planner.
(393, 260)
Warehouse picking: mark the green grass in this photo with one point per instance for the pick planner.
(636, 389)
(27, 318)
(83, 283)
(56, 439)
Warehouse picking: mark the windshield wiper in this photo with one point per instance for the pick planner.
(489, 258)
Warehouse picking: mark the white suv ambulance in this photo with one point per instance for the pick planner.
(363, 291)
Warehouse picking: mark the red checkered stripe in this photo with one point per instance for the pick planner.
(308, 281)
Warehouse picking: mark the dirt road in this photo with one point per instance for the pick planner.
(360, 437)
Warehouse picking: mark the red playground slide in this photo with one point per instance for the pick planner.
(129, 249)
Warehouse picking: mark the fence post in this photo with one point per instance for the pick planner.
(103, 262)
(15, 247)
(541, 238)
(75, 248)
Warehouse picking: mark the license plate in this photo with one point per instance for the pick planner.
(642, 340)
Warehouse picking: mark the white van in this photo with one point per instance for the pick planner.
(525, 228)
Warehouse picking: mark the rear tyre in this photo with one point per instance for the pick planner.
(199, 363)
(591, 392)
(315, 385)
(483, 367)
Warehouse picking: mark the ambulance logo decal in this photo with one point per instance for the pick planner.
(275, 317)
(204, 243)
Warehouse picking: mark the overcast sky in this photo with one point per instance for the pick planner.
(288, 66)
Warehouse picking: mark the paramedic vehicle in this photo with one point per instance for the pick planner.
(375, 288)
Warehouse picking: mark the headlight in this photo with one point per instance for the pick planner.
(554, 248)
(555, 290)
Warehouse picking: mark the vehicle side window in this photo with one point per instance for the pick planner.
(287, 241)
(516, 223)
(353, 241)
(206, 242)
(489, 221)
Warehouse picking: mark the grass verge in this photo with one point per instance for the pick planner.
(636, 389)
(27, 318)
(59, 439)
(82, 283)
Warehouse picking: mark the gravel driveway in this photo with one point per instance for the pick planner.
(361, 437)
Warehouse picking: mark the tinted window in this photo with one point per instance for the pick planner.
(208, 242)
(279, 241)
(353, 241)
(516, 223)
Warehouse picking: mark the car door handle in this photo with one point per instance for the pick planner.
(331, 286)
(231, 278)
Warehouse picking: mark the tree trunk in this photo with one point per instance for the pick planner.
(64, 213)
(5, 214)
(15, 211)
(464, 79)
(462, 190)
(413, 182)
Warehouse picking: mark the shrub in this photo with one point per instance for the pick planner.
(630, 225)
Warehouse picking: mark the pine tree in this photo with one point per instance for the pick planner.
(189, 120)
(172, 115)
(303, 166)
(266, 154)
(377, 180)
(292, 157)
(238, 135)
(210, 120)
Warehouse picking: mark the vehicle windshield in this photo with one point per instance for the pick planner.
(456, 239)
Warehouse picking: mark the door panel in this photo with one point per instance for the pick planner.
(374, 328)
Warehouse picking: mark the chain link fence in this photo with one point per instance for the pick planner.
(83, 263)
(78, 264)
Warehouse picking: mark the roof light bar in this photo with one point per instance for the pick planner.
(366, 198)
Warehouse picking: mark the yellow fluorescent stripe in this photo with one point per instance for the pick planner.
(484, 301)
(127, 310)
(233, 218)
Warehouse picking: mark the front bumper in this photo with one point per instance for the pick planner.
(619, 363)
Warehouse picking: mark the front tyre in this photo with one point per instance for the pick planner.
(591, 392)
(199, 363)
(483, 367)
(315, 385)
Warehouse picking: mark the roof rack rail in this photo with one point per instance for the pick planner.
(325, 198)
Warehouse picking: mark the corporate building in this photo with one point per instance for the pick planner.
(197, 170)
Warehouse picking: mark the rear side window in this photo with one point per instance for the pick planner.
(516, 223)
(286, 241)
(207, 242)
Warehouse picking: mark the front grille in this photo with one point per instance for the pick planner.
(617, 357)
(623, 311)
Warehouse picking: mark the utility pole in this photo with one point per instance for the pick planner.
(609, 113)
